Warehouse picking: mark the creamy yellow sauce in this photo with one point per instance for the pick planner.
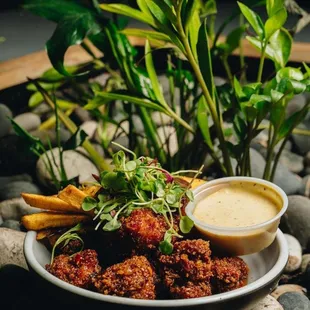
(238, 205)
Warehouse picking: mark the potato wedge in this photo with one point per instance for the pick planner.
(196, 182)
(52, 203)
(91, 190)
(45, 220)
(73, 196)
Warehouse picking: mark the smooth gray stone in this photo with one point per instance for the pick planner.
(268, 303)
(296, 220)
(302, 142)
(295, 254)
(5, 123)
(285, 288)
(49, 136)
(12, 224)
(292, 161)
(294, 301)
(14, 189)
(28, 121)
(18, 177)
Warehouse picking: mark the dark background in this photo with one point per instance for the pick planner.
(26, 33)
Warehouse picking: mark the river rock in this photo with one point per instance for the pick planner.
(49, 136)
(29, 121)
(268, 303)
(295, 104)
(305, 262)
(18, 177)
(281, 289)
(302, 142)
(169, 140)
(15, 157)
(82, 114)
(294, 301)
(42, 108)
(90, 128)
(295, 254)
(75, 165)
(307, 159)
(5, 123)
(14, 189)
(292, 161)
(296, 220)
(305, 186)
(14, 209)
(11, 247)
(12, 224)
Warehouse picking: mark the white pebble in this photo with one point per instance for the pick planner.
(295, 254)
(281, 289)
(268, 303)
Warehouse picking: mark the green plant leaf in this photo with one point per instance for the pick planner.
(202, 119)
(53, 75)
(240, 127)
(209, 8)
(238, 90)
(152, 74)
(128, 11)
(70, 31)
(89, 203)
(149, 34)
(191, 8)
(290, 73)
(44, 85)
(253, 19)
(275, 22)
(204, 58)
(186, 224)
(75, 140)
(273, 6)
(35, 99)
(112, 225)
(233, 39)
(162, 10)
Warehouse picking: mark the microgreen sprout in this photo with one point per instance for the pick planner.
(65, 238)
(140, 183)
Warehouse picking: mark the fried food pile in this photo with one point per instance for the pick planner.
(190, 271)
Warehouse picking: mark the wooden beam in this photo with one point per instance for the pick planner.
(16, 71)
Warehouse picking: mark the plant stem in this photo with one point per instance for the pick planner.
(210, 102)
(241, 53)
(227, 69)
(261, 64)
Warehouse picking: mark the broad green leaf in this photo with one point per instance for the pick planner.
(75, 140)
(209, 8)
(204, 58)
(54, 10)
(53, 76)
(281, 43)
(275, 22)
(149, 34)
(161, 10)
(152, 74)
(233, 39)
(202, 119)
(238, 89)
(193, 32)
(290, 73)
(46, 86)
(273, 6)
(240, 127)
(307, 75)
(70, 31)
(35, 99)
(290, 123)
(252, 88)
(253, 19)
(128, 11)
(192, 7)
(166, 247)
(277, 113)
(276, 95)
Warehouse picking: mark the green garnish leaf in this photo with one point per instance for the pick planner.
(166, 247)
(171, 198)
(190, 195)
(131, 165)
(186, 224)
(106, 217)
(112, 225)
(89, 203)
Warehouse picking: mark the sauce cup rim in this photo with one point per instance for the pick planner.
(191, 205)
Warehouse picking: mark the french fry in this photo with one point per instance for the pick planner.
(45, 220)
(52, 203)
(73, 196)
(91, 190)
(196, 182)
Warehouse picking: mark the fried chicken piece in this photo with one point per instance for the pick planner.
(187, 271)
(77, 269)
(146, 228)
(134, 278)
(229, 273)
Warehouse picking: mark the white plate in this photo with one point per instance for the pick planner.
(265, 270)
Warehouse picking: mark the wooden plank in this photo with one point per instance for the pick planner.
(16, 71)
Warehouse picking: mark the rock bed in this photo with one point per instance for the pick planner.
(20, 171)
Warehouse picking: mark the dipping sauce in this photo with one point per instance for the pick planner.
(238, 205)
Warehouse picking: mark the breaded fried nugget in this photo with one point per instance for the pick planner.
(134, 278)
(187, 271)
(229, 273)
(77, 269)
(145, 228)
